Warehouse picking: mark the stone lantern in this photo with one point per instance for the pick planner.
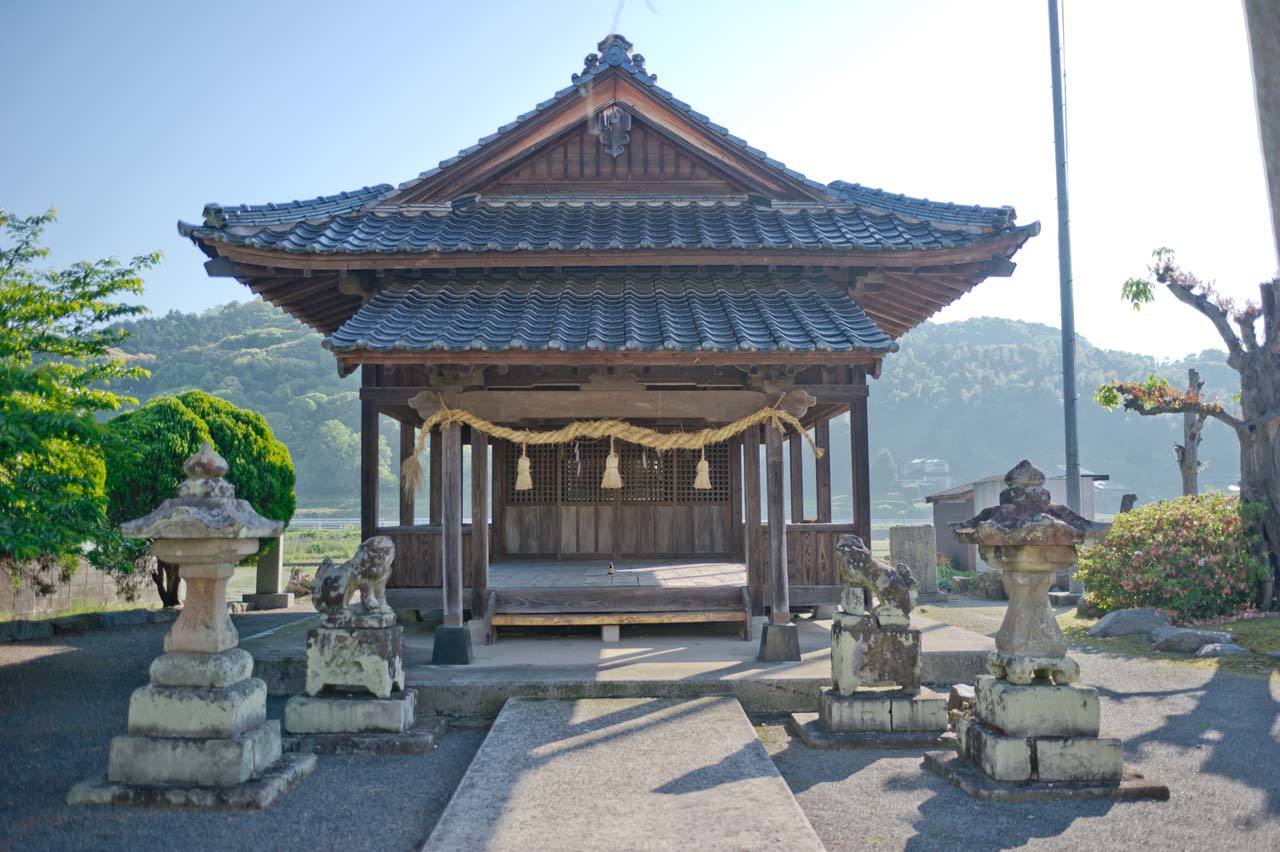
(1034, 731)
(198, 732)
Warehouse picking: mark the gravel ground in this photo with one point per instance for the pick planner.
(61, 701)
(1214, 739)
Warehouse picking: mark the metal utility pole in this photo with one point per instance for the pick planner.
(1064, 265)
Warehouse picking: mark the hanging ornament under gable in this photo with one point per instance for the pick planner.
(524, 479)
(612, 478)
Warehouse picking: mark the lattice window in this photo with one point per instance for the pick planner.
(581, 470)
(542, 465)
(687, 467)
(646, 474)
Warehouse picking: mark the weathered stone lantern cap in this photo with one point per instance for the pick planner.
(206, 507)
(1025, 516)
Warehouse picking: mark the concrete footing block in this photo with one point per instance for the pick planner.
(452, 646)
(419, 739)
(779, 643)
(814, 733)
(278, 600)
(610, 633)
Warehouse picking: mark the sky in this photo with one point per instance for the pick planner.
(128, 116)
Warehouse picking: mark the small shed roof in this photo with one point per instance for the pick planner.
(965, 490)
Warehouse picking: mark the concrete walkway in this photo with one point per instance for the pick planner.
(623, 774)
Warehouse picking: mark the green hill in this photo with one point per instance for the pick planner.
(980, 394)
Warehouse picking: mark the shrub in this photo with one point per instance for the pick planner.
(1192, 556)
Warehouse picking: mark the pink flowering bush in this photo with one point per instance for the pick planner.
(1189, 556)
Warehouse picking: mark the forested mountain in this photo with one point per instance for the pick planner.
(980, 394)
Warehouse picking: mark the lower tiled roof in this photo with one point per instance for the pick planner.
(613, 313)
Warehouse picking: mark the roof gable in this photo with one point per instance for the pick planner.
(613, 106)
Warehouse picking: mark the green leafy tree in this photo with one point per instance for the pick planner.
(884, 472)
(57, 357)
(145, 450)
(1255, 414)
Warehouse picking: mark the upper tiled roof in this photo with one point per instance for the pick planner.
(615, 52)
(558, 224)
(970, 215)
(613, 313)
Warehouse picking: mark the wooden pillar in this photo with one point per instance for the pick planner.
(407, 436)
(795, 454)
(822, 470)
(498, 490)
(735, 500)
(752, 543)
(368, 455)
(479, 522)
(860, 455)
(451, 522)
(433, 476)
(779, 593)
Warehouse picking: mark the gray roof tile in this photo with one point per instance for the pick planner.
(613, 313)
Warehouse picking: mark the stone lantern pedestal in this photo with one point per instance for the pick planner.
(875, 699)
(198, 733)
(1034, 732)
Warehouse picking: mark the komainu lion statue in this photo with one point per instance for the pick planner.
(892, 587)
(367, 571)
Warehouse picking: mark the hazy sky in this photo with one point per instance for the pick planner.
(129, 116)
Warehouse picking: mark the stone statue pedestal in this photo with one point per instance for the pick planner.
(355, 699)
(1034, 733)
(198, 733)
(875, 700)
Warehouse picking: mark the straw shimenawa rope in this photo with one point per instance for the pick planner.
(411, 470)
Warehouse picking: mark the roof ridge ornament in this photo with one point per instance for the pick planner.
(615, 52)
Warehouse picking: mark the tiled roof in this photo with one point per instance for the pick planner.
(500, 224)
(970, 215)
(613, 313)
(218, 216)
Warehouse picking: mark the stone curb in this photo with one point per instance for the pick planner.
(22, 630)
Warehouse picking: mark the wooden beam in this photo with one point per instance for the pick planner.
(368, 456)
(860, 455)
(407, 438)
(795, 449)
(779, 600)
(751, 528)
(479, 522)
(451, 522)
(822, 470)
(715, 406)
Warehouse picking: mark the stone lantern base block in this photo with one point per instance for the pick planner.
(355, 657)
(254, 794)
(349, 714)
(198, 762)
(971, 780)
(779, 643)
(1039, 758)
(867, 653)
(195, 711)
(209, 670)
(1043, 709)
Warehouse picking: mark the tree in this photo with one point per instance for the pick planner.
(884, 472)
(1256, 360)
(146, 448)
(1188, 452)
(57, 357)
